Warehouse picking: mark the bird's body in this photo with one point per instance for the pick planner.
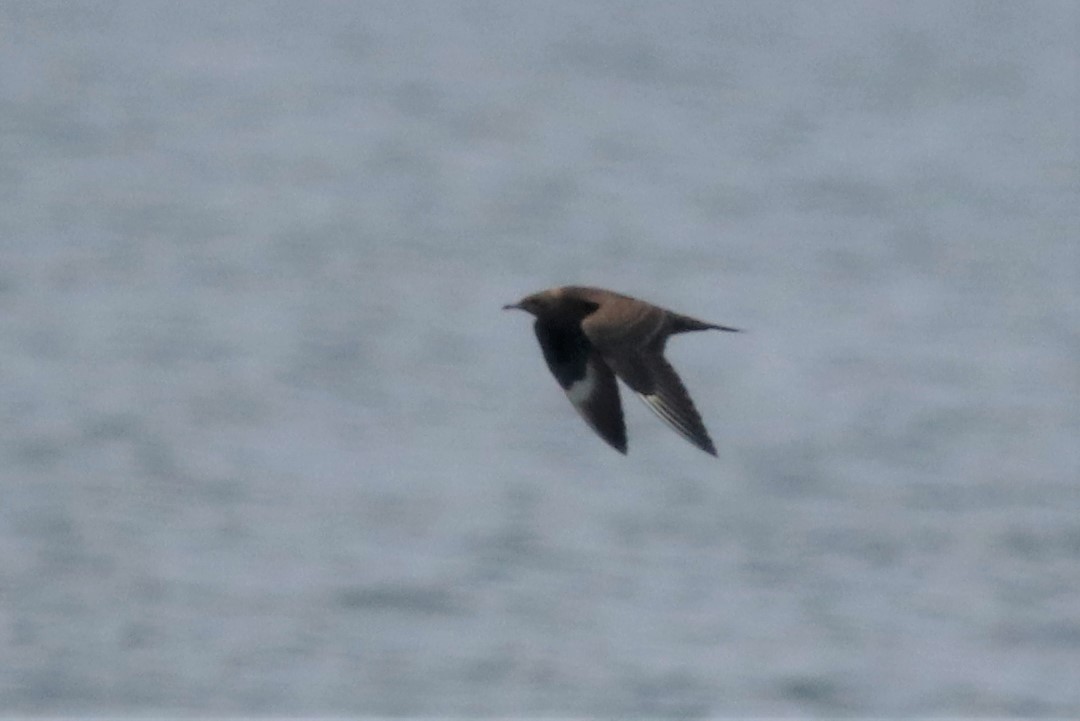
(589, 336)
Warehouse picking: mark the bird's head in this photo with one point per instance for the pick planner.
(557, 305)
(537, 304)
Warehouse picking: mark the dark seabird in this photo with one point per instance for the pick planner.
(590, 335)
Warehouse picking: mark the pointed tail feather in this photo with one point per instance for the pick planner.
(684, 324)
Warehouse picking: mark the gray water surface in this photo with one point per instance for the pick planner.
(271, 447)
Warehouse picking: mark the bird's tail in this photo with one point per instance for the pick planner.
(685, 324)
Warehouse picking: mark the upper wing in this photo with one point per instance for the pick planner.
(657, 383)
(587, 380)
(621, 322)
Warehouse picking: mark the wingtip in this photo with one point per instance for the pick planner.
(618, 443)
(705, 443)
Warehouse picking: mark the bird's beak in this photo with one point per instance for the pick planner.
(512, 306)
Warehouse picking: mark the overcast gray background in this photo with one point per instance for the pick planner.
(269, 445)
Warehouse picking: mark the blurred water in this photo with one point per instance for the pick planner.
(270, 445)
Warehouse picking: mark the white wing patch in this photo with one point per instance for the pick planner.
(657, 405)
(580, 391)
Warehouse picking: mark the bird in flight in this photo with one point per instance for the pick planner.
(590, 335)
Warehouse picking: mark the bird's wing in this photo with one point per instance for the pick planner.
(650, 376)
(621, 322)
(587, 380)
